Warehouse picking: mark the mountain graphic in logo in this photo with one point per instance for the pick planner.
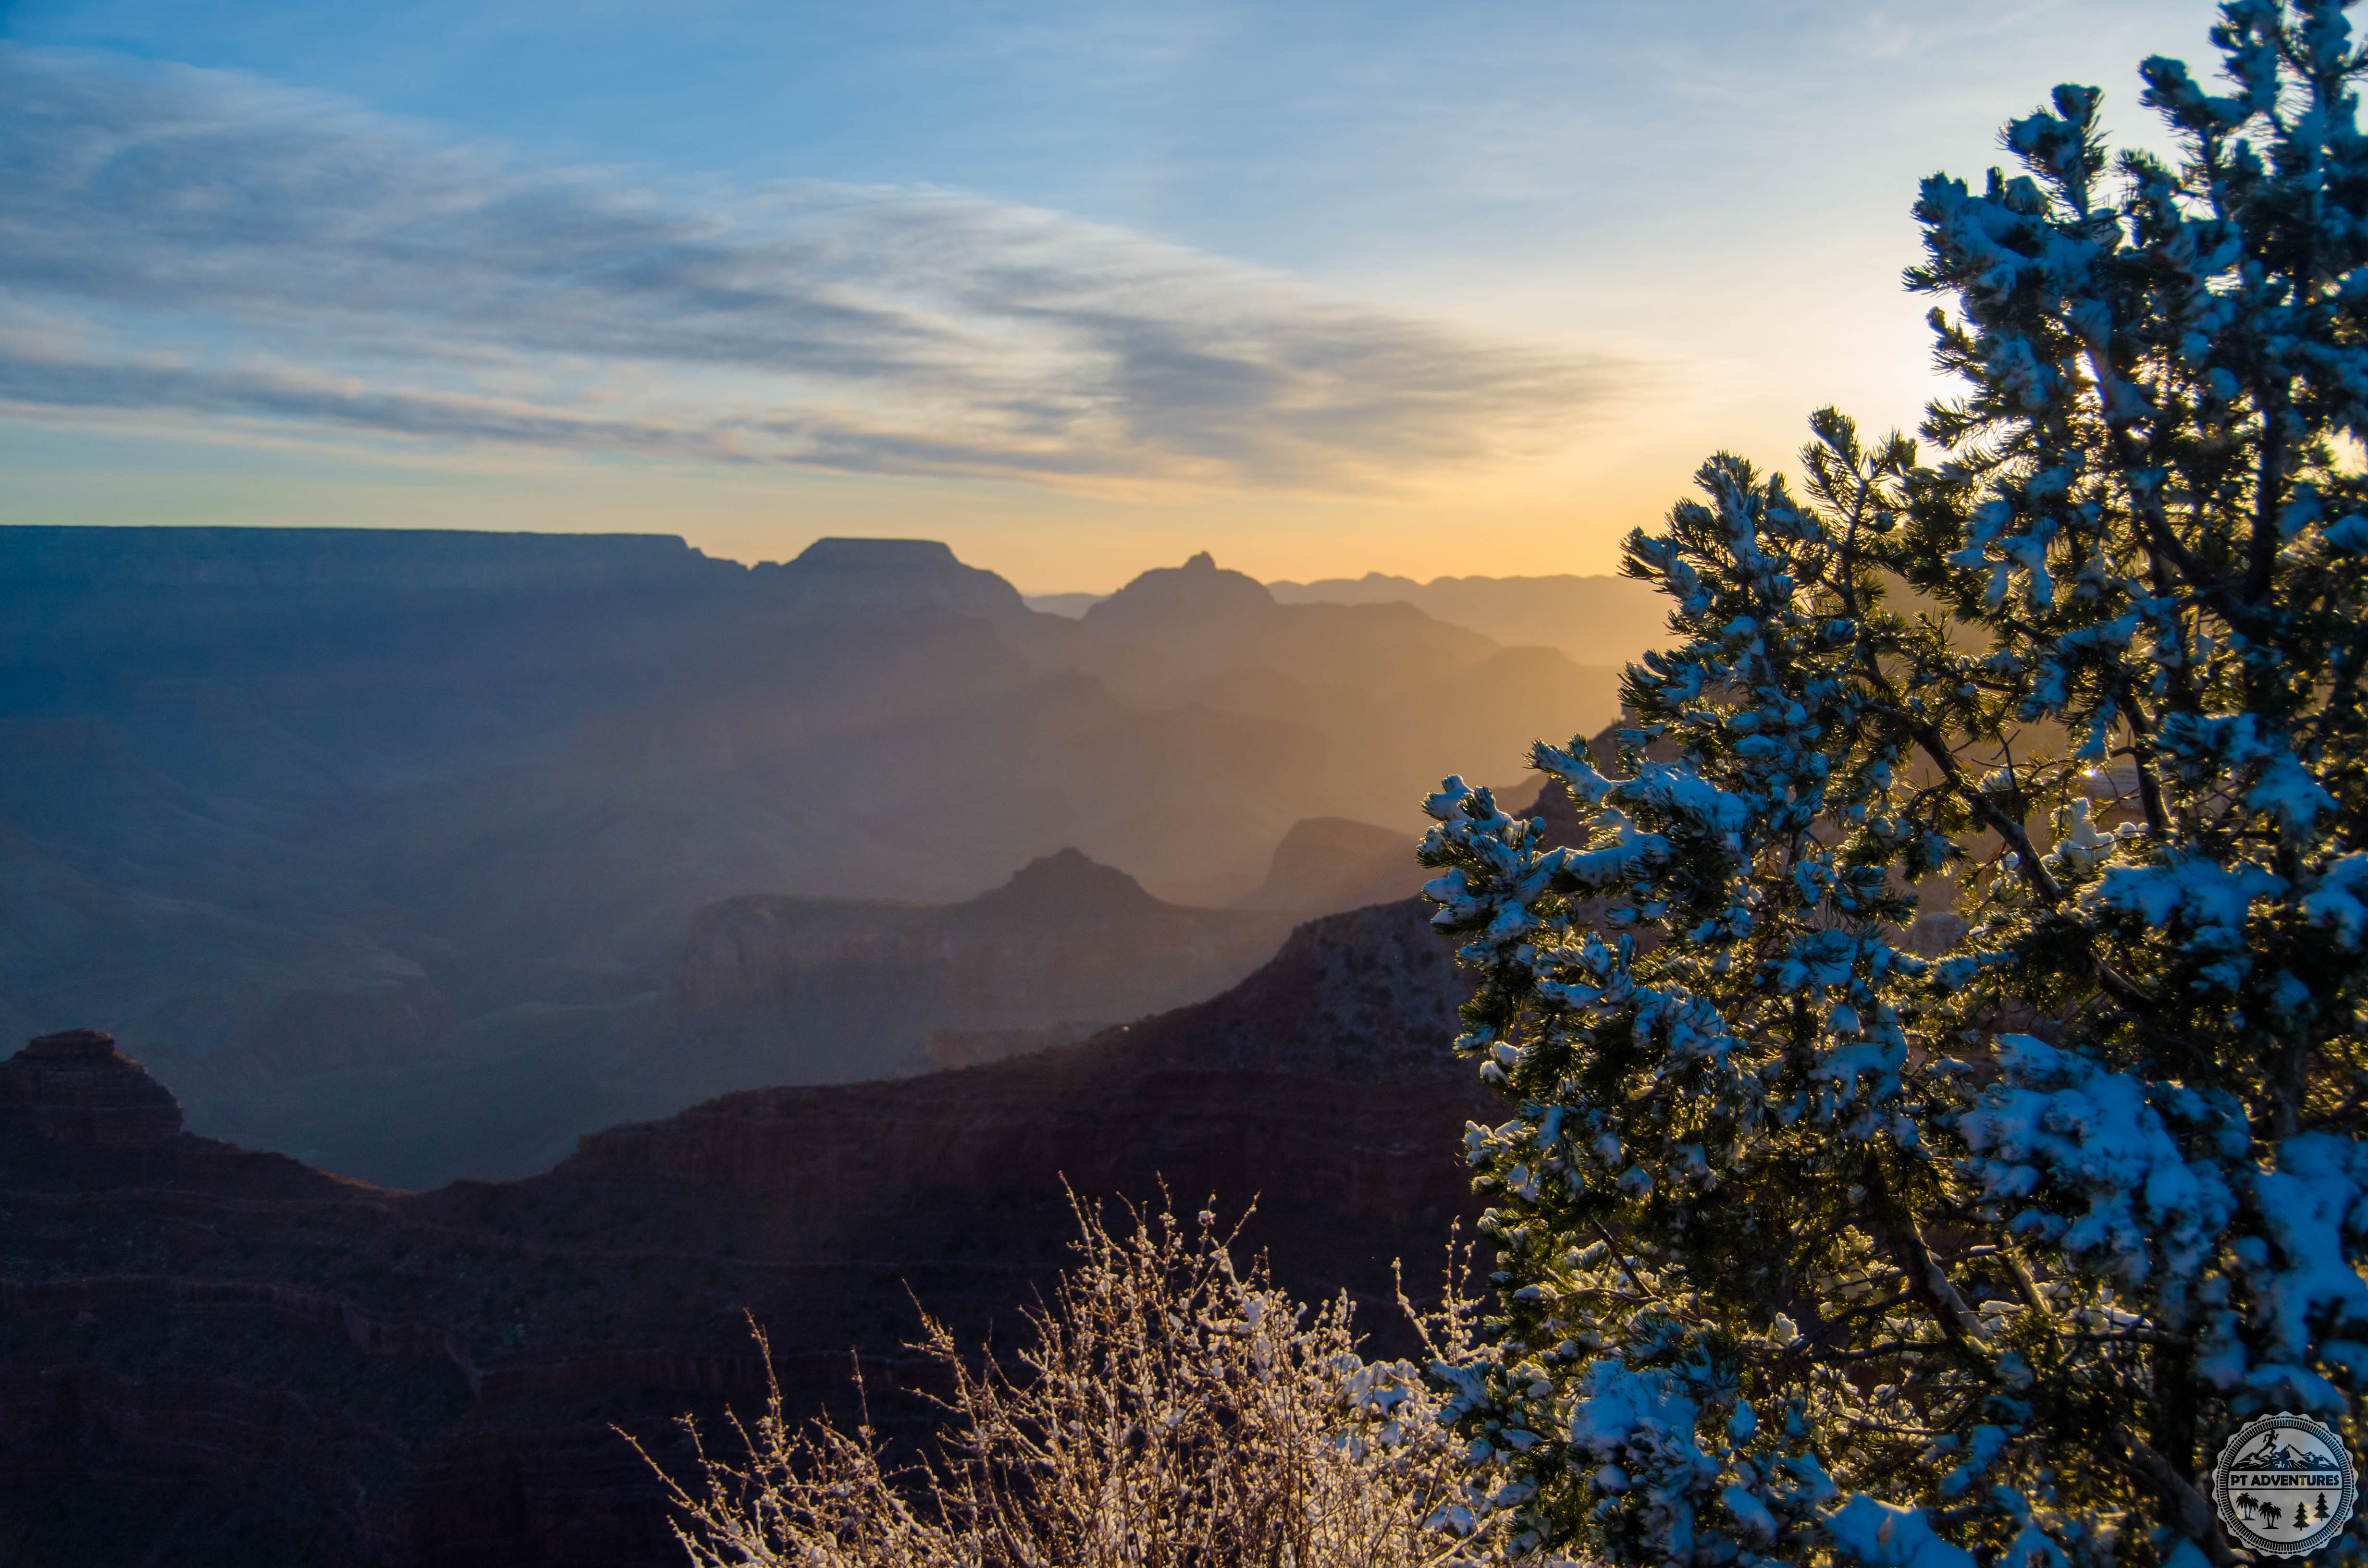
(2284, 1485)
(2278, 1453)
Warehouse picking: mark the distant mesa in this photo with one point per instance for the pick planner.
(376, 561)
(75, 1087)
(837, 554)
(894, 573)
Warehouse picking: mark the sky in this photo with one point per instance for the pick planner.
(1449, 288)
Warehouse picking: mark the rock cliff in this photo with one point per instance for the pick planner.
(256, 1362)
(849, 988)
(893, 574)
(317, 820)
(1317, 1083)
(1328, 864)
(77, 1088)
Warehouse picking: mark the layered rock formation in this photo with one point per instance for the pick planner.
(896, 575)
(855, 989)
(77, 1088)
(1318, 1082)
(218, 1356)
(324, 819)
(772, 989)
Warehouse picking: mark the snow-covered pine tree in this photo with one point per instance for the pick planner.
(1814, 1248)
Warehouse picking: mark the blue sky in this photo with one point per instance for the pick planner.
(1444, 287)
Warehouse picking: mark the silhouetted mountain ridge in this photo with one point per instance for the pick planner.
(213, 1355)
(783, 989)
(1594, 620)
(1199, 591)
(323, 815)
(894, 573)
(227, 1355)
(1065, 886)
(1330, 863)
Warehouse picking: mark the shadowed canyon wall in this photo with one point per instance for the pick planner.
(211, 1356)
(316, 818)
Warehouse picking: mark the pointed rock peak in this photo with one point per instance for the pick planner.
(1197, 589)
(75, 1087)
(1066, 885)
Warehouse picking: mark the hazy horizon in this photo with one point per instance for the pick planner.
(1324, 290)
(1027, 590)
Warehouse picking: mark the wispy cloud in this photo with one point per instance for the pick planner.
(210, 246)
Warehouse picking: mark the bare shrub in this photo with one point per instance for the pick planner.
(1169, 1411)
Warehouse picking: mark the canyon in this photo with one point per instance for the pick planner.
(214, 1355)
(769, 989)
(525, 960)
(431, 824)
(209, 1355)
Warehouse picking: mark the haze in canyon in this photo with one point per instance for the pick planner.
(416, 855)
